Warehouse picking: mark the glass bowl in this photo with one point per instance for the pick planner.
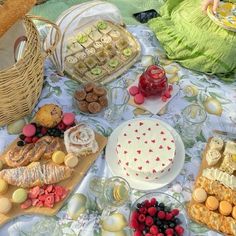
(169, 202)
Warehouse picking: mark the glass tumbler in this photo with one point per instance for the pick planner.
(118, 100)
(193, 118)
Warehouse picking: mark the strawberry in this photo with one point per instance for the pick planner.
(39, 204)
(152, 211)
(34, 192)
(175, 212)
(161, 215)
(59, 190)
(143, 210)
(149, 221)
(49, 201)
(26, 204)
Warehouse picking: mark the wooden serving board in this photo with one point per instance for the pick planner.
(70, 184)
(204, 165)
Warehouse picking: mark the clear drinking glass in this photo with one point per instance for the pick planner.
(118, 100)
(193, 117)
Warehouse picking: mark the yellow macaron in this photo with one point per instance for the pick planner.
(225, 208)
(212, 203)
(58, 157)
(71, 160)
(199, 195)
(5, 205)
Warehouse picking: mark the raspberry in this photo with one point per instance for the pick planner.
(61, 126)
(175, 212)
(141, 227)
(148, 234)
(179, 230)
(43, 130)
(169, 231)
(160, 234)
(154, 229)
(152, 211)
(147, 203)
(149, 221)
(35, 139)
(169, 216)
(163, 98)
(143, 210)
(161, 215)
(134, 215)
(134, 224)
(28, 140)
(153, 201)
(170, 87)
(141, 218)
(137, 233)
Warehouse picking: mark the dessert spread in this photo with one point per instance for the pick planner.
(145, 150)
(214, 196)
(96, 54)
(80, 140)
(153, 218)
(91, 98)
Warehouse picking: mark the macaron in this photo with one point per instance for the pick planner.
(3, 186)
(199, 195)
(58, 157)
(139, 98)
(71, 160)
(133, 90)
(234, 212)
(1, 165)
(5, 205)
(212, 203)
(68, 118)
(29, 130)
(19, 195)
(225, 208)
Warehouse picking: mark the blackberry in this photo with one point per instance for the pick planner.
(167, 209)
(20, 143)
(22, 137)
(172, 225)
(162, 205)
(139, 205)
(177, 221)
(165, 227)
(158, 222)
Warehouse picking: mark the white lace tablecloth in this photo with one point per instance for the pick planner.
(217, 98)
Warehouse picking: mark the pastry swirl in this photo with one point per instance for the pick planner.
(212, 157)
(80, 140)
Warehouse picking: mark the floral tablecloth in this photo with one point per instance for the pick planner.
(217, 98)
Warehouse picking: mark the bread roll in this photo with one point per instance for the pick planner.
(11, 11)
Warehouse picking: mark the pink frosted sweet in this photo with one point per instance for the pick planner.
(68, 118)
(29, 130)
(139, 98)
(133, 90)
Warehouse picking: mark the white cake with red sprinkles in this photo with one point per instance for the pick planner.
(145, 150)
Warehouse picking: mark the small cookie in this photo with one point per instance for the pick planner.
(225, 208)
(100, 91)
(216, 143)
(212, 157)
(199, 195)
(71, 160)
(89, 87)
(91, 97)
(106, 39)
(94, 107)
(212, 203)
(5, 205)
(83, 106)
(80, 95)
(19, 195)
(103, 101)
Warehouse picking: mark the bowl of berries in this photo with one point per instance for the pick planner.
(158, 214)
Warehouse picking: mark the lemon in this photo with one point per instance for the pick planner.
(213, 106)
(190, 91)
(114, 223)
(108, 233)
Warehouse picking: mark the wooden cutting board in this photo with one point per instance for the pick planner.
(70, 184)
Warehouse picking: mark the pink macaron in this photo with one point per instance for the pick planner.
(29, 130)
(133, 90)
(139, 98)
(68, 118)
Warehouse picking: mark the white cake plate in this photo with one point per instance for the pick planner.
(111, 159)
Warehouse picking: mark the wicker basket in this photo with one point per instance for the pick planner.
(21, 84)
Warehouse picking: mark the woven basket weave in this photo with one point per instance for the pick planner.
(21, 84)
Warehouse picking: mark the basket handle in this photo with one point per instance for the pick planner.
(16, 45)
(57, 38)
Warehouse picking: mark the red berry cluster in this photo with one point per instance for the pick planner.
(151, 218)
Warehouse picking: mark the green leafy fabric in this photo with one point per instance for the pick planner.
(192, 39)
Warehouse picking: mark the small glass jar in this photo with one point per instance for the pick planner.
(153, 81)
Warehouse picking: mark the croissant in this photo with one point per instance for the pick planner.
(22, 156)
(35, 174)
